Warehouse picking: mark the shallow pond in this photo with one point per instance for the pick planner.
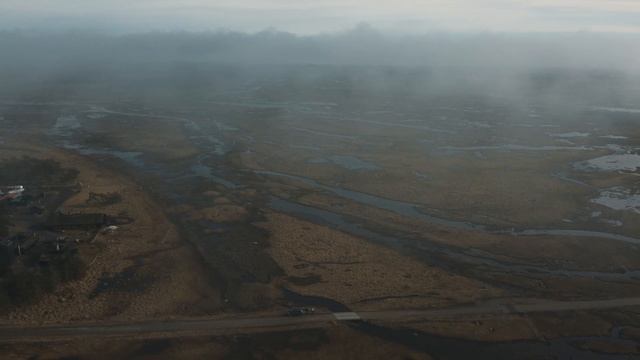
(614, 162)
(619, 198)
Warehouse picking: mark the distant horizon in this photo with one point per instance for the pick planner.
(336, 32)
(360, 45)
(324, 16)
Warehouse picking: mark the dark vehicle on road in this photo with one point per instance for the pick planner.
(300, 311)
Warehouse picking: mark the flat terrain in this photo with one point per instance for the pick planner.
(322, 262)
(241, 325)
(446, 221)
(142, 269)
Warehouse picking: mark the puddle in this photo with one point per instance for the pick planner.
(346, 162)
(352, 163)
(565, 177)
(206, 172)
(133, 158)
(104, 111)
(192, 126)
(405, 126)
(615, 148)
(619, 198)
(530, 125)
(615, 162)
(574, 134)
(422, 176)
(479, 124)
(224, 127)
(479, 155)
(616, 223)
(577, 233)
(514, 147)
(219, 147)
(216, 145)
(305, 147)
(614, 137)
(96, 115)
(320, 133)
(565, 141)
(64, 125)
(616, 109)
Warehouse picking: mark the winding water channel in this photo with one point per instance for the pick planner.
(435, 253)
(413, 210)
(445, 256)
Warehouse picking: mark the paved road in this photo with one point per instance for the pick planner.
(246, 324)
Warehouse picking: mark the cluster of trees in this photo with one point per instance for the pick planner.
(32, 282)
(27, 170)
(5, 256)
(4, 220)
(24, 284)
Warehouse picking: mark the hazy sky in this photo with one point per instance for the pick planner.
(314, 16)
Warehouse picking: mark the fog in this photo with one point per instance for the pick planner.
(322, 16)
(34, 56)
(486, 45)
(363, 45)
(561, 69)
